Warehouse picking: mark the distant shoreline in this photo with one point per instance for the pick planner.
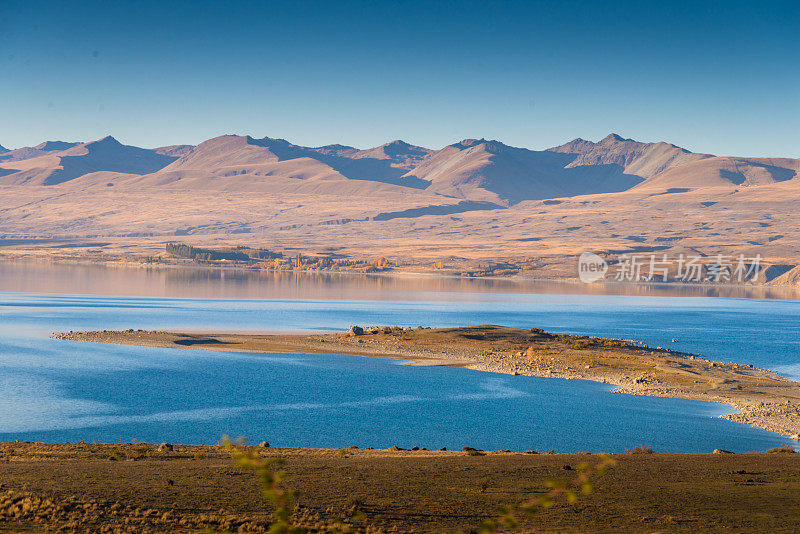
(610, 287)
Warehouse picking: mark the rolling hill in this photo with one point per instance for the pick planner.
(724, 172)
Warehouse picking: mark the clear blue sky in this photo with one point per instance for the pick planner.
(714, 76)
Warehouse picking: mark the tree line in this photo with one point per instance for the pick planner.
(182, 250)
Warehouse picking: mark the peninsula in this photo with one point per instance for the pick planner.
(760, 397)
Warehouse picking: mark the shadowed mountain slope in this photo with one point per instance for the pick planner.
(640, 159)
(476, 199)
(236, 155)
(725, 172)
(477, 169)
(400, 153)
(106, 154)
(30, 152)
(789, 278)
(472, 172)
(337, 150)
(174, 150)
(387, 163)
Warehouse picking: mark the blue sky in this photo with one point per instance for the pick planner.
(716, 76)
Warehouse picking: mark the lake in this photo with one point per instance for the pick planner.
(52, 390)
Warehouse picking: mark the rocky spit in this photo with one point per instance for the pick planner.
(759, 397)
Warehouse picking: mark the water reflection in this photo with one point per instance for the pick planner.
(202, 282)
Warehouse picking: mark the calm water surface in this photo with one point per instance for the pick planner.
(67, 391)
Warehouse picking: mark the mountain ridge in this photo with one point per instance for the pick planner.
(468, 206)
(29, 152)
(633, 157)
(473, 169)
(82, 159)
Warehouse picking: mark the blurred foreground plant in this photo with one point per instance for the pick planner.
(270, 478)
(567, 490)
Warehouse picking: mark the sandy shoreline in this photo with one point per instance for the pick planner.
(761, 397)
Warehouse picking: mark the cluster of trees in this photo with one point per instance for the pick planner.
(259, 253)
(301, 262)
(263, 258)
(206, 254)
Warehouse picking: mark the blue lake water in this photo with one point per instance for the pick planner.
(52, 390)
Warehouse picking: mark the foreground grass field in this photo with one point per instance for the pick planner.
(147, 488)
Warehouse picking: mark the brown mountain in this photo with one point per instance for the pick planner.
(477, 199)
(30, 152)
(106, 154)
(475, 170)
(478, 169)
(724, 172)
(242, 162)
(402, 155)
(630, 157)
(174, 150)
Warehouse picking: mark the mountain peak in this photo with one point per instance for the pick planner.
(614, 138)
(106, 141)
(397, 143)
(221, 139)
(335, 149)
(468, 143)
(399, 147)
(269, 142)
(576, 146)
(400, 152)
(335, 146)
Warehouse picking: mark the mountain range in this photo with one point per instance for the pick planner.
(475, 202)
(477, 170)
